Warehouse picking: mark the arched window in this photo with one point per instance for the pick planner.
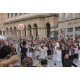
(8, 15)
(29, 31)
(10, 28)
(15, 14)
(7, 29)
(35, 30)
(48, 29)
(14, 28)
(11, 14)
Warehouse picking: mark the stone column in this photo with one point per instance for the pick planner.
(6, 16)
(9, 15)
(41, 32)
(18, 14)
(13, 14)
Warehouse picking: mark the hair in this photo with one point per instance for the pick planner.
(24, 43)
(27, 62)
(44, 62)
(5, 51)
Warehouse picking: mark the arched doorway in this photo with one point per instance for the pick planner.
(35, 31)
(48, 29)
(29, 32)
(25, 31)
(7, 32)
(10, 34)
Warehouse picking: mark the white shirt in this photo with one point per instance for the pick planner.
(43, 54)
(57, 44)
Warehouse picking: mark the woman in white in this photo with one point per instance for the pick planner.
(54, 55)
(79, 56)
(46, 49)
(58, 57)
(29, 52)
(37, 52)
(43, 54)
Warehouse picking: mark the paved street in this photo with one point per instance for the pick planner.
(50, 62)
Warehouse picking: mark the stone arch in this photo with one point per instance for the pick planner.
(10, 28)
(15, 28)
(7, 29)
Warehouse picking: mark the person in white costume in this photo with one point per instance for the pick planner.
(29, 52)
(58, 57)
(37, 52)
(54, 56)
(57, 44)
(79, 55)
(43, 54)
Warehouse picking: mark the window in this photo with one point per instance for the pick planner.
(15, 14)
(77, 28)
(11, 14)
(8, 15)
(20, 13)
(70, 29)
(3, 32)
(63, 16)
(70, 15)
(6, 28)
(10, 28)
(14, 28)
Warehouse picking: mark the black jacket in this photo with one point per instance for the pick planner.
(68, 63)
(63, 54)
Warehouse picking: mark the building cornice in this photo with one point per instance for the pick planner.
(68, 20)
(44, 15)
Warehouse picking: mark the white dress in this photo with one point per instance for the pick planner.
(54, 55)
(58, 55)
(46, 49)
(37, 53)
(43, 54)
(29, 54)
(79, 56)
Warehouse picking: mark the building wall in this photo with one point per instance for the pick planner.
(30, 19)
(70, 24)
(1, 20)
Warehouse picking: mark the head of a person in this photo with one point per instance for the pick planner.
(42, 46)
(44, 63)
(58, 48)
(66, 56)
(5, 51)
(24, 43)
(75, 45)
(27, 62)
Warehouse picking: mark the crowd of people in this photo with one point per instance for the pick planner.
(20, 53)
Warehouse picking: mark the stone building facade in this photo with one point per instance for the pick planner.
(40, 25)
(69, 23)
(2, 18)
